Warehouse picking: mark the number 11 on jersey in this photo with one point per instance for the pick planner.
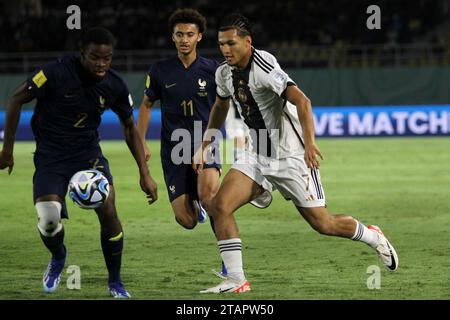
(188, 107)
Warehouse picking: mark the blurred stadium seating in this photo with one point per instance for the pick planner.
(316, 33)
(324, 45)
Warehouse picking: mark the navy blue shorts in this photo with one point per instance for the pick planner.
(181, 179)
(52, 174)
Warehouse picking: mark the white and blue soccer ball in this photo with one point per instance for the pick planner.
(89, 189)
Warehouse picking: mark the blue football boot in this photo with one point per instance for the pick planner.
(202, 214)
(117, 290)
(52, 275)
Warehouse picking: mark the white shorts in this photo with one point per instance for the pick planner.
(290, 176)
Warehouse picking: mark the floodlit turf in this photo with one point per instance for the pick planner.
(402, 185)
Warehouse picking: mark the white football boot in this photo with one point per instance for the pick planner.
(230, 286)
(385, 250)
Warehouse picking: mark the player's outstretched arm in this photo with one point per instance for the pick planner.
(148, 185)
(20, 96)
(217, 118)
(304, 110)
(145, 113)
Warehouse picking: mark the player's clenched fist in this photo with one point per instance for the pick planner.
(148, 185)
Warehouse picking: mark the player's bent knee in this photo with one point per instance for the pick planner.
(186, 223)
(219, 207)
(49, 217)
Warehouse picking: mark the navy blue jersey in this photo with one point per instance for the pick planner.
(186, 95)
(70, 104)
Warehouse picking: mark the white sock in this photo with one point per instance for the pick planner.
(364, 234)
(231, 253)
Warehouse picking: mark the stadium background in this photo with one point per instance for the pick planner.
(329, 52)
(388, 82)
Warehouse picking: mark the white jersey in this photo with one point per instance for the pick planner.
(257, 92)
(234, 126)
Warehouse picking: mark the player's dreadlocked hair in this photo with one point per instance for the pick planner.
(187, 16)
(97, 35)
(238, 22)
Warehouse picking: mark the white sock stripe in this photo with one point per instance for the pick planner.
(231, 253)
(222, 242)
(359, 231)
(231, 249)
(366, 235)
(230, 244)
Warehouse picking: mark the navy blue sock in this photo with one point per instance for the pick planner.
(55, 244)
(112, 252)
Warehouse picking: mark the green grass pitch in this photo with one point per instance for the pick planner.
(400, 184)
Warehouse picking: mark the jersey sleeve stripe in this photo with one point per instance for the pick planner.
(257, 58)
(262, 67)
(264, 61)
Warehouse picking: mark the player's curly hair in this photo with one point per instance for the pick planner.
(236, 21)
(187, 15)
(97, 35)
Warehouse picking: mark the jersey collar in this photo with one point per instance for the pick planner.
(191, 65)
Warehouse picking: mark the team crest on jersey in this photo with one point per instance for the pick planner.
(242, 95)
(172, 189)
(246, 111)
(202, 87)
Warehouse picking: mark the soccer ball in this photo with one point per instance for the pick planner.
(89, 189)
